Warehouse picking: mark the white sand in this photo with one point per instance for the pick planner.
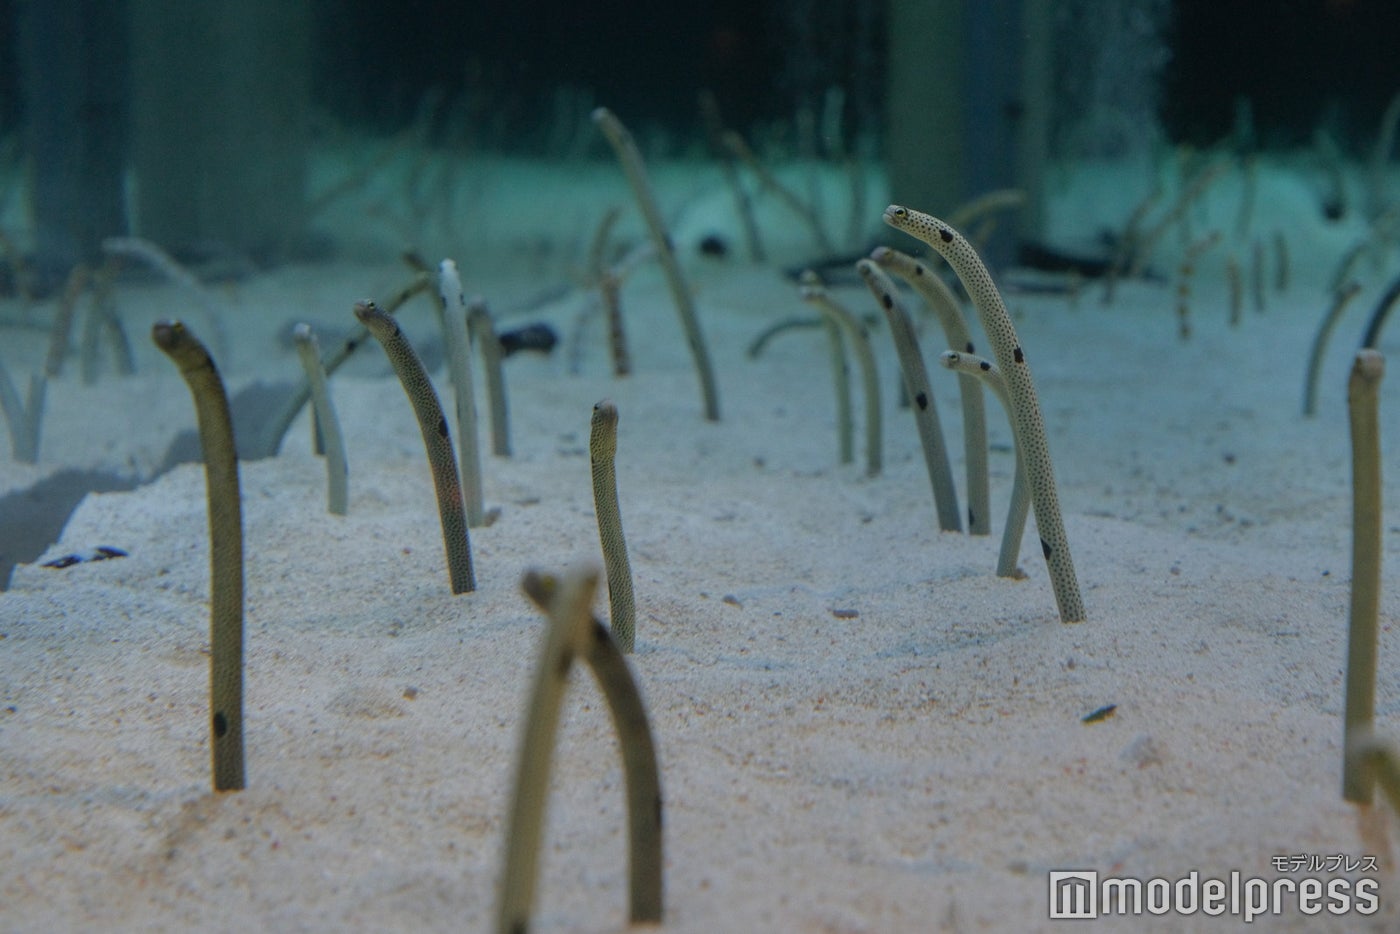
(860, 727)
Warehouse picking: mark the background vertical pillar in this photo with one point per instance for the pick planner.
(1037, 98)
(968, 105)
(72, 58)
(220, 97)
(925, 129)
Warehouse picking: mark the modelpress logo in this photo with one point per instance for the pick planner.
(1074, 894)
(1080, 895)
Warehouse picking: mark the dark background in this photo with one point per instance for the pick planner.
(1302, 63)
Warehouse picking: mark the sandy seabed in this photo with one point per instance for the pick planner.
(860, 727)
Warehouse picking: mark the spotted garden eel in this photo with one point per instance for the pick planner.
(275, 429)
(640, 773)
(974, 414)
(841, 382)
(225, 548)
(811, 285)
(327, 423)
(483, 330)
(620, 138)
(436, 439)
(814, 293)
(602, 450)
(573, 632)
(452, 315)
(1363, 392)
(1029, 427)
(980, 367)
(906, 345)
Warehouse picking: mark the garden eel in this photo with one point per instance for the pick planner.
(1185, 272)
(602, 448)
(102, 318)
(211, 304)
(610, 294)
(483, 330)
(1372, 336)
(1236, 290)
(1340, 299)
(24, 416)
(572, 631)
(641, 775)
(632, 166)
(840, 372)
(1363, 391)
(906, 345)
(1029, 427)
(328, 425)
(1256, 275)
(275, 429)
(1191, 192)
(1378, 762)
(452, 315)
(841, 378)
(759, 344)
(61, 332)
(999, 199)
(980, 367)
(436, 439)
(225, 548)
(736, 145)
(814, 293)
(974, 414)
(609, 283)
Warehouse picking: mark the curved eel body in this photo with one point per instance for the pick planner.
(574, 632)
(906, 344)
(1029, 426)
(225, 548)
(981, 368)
(602, 450)
(813, 292)
(436, 439)
(1363, 392)
(327, 422)
(945, 308)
